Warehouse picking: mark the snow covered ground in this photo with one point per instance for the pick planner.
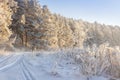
(43, 66)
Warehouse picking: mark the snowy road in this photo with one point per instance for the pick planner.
(42, 67)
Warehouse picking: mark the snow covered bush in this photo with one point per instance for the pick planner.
(96, 61)
(101, 60)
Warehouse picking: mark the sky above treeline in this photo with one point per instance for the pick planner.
(102, 11)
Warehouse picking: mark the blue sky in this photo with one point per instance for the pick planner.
(102, 11)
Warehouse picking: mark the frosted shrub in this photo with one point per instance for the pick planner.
(94, 62)
(97, 60)
(105, 60)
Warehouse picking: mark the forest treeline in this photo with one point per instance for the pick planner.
(35, 27)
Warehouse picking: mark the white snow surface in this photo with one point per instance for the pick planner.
(43, 66)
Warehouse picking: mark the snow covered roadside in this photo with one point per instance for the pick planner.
(45, 66)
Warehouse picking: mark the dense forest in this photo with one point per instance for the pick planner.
(25, 23)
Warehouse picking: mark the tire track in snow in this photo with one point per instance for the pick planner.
(5, 58)
(15, 62)
(25, 70)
